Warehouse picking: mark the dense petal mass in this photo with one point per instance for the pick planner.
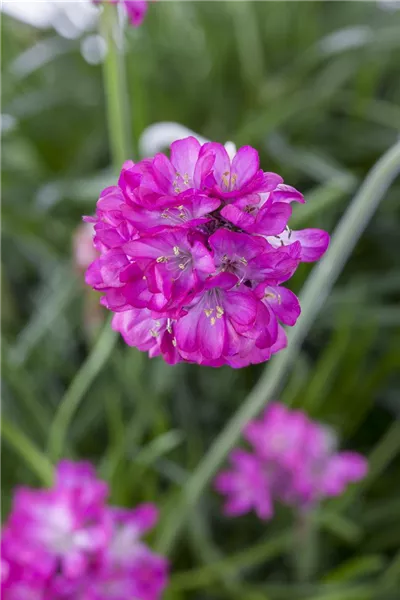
(239, 177)
(193, 250)
(293, 460)
(172, 265)
(254, 215)
(215, 319)
(66, 543)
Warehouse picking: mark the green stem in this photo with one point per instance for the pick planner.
(304, 547)
(38, 462)
(315, 291)
(118, 126)
(78, 388)
(115, 87)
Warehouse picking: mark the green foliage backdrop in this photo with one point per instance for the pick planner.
(315, 87)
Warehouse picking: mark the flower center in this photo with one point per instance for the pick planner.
(180, 181)
(236, 265)
(176, 214)
(229, 180)
(212, 306)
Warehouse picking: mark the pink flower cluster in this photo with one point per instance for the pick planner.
(136, 9)
(65, 543)
(293, 460)
(193, 251)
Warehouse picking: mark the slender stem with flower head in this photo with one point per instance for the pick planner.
(314, 293)
(117, 118)
(115, 87)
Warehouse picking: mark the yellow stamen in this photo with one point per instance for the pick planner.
(270, 295)
(220, 311)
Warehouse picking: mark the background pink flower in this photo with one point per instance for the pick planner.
(66, 543)
(292, 460)
(135, 9)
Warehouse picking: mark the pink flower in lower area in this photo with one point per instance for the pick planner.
(194, 250)
(135, 9)
(66, 543)
(292, 460)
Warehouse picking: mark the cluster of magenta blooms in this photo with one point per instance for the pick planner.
(67, 543)
(193, 251)
(291, 460)
(135, 9)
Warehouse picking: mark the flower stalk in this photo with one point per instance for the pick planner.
(315, 291)
(118, 127)
(114, 81)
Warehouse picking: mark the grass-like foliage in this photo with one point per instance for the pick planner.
(315, 87)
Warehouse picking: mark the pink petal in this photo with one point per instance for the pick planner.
(136, 10)
(240, 218)
(245, 166)
(342, 469)
(186, 331)
(225, 281)
(272, 218)
(268, 182)
(233, 244)
(287, 193)
(146, 248)
(203, 176)
(222, 163)
(184, 155)
(314, 243)
(203, 262)
(164, 173)
(136, 327)
(74, 564)
(145, 516)
(241, 308)
(111, 199)
(211, 333)
(284, 303)
(281, 341)
(266, 326)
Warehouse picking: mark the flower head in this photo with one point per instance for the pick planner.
(194, 250)
(65, 543)
(293, 460)
(135, 9)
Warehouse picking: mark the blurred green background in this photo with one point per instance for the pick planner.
(315, 87)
